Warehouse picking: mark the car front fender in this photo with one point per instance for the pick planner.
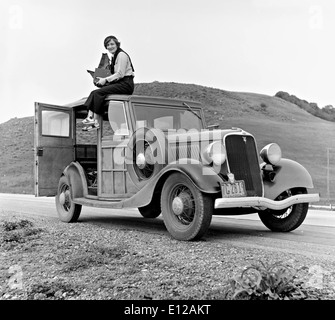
(203, 177)
(289, 174)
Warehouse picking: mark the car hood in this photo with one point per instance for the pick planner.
(193, 135)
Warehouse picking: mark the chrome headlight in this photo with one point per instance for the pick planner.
(271, 153)
(215, 153)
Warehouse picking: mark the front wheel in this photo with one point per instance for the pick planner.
(187, 212)
(287, 219)
(67, 210)
(152, 210)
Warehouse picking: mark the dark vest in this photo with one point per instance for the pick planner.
(114, 59)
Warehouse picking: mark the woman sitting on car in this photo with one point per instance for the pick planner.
(121, 81)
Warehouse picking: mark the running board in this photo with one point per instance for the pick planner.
(109, 204)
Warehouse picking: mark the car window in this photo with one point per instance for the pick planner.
(163, 122)
(165, 118)
(55, 123)
(117, 118)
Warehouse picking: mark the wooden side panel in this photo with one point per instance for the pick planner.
(115, 181)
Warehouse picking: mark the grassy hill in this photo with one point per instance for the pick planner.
(302, 136)
(326, 113)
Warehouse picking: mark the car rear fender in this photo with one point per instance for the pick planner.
(77, 180)
(289, 174)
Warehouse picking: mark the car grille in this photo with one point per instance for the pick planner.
(243, 162)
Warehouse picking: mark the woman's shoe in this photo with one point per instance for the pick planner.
(94, 126)
(88, 121)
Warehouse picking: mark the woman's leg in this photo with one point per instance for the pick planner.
(96, 100)
(95, 103)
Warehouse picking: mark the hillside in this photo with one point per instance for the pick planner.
(16, 155)
(302, 136)
(220, 104)
(326, 113)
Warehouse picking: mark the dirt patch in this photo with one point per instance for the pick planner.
(42, 259)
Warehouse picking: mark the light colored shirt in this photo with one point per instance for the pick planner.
(122, 67)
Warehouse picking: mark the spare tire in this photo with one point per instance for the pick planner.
(146, 155)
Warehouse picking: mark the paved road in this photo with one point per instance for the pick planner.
(315, 237)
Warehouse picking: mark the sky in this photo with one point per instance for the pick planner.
(260, 46)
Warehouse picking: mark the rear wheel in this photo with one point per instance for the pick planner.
(287, 219)
(187, 212)
(67, 210)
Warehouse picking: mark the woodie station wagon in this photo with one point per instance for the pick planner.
(156, 154)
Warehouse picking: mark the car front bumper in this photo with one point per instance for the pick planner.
(265, 203)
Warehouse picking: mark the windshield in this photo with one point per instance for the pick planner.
(165, 118)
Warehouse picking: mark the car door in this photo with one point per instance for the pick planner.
(113, 178)
(53, 146)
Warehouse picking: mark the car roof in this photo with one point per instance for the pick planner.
(141, 99)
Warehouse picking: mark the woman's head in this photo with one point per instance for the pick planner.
(111, 43)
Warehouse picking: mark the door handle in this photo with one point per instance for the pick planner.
(39, 152)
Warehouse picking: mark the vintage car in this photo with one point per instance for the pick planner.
(156, 154)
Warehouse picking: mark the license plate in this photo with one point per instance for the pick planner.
(235, 189)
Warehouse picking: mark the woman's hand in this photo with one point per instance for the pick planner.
(101, 81)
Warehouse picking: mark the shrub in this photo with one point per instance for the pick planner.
(326, 113)
(263, 106)
(54, 290)
(14, 225)
(267, 282)
(13, 236)
(18, 231)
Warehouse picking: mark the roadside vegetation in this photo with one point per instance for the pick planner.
(277, 281)
(43, 259)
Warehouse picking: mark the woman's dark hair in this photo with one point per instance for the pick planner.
(109, 38)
